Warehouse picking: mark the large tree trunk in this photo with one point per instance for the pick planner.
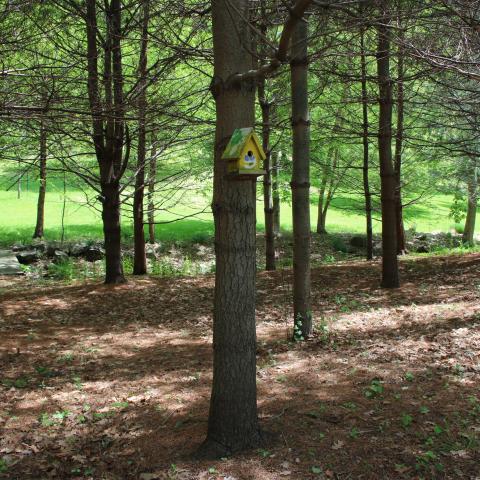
(152, 175)
(38, 233)
(111, 231)
(275, 193)
(233, 421)
(401, 246)
(469, 231)
(301, 180)
(108, 126)
(390, 277)
(140, 257)
(365, 169)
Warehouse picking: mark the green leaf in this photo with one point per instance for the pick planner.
(407, 420)
(437, 429)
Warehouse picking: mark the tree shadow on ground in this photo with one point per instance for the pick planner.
(132, 370)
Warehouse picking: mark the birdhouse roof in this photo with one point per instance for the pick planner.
(238, 141)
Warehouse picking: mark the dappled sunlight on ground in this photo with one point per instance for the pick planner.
(113, 382)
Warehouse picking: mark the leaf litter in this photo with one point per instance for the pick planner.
(114, 382)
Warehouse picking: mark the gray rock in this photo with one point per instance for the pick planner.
(151, 251)
(39, 245)
(94, 253)
(78, 249)
(20, 247)
(27, 257)
(359, 241)
(52, 247)
(60, 256)
(9, 264)
(377, 249)
(424, 248)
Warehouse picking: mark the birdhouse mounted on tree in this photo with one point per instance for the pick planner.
(244, 154)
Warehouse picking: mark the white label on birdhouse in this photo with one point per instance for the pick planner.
(249, 160)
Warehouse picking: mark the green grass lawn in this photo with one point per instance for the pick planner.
(429, 215)
(17, 217)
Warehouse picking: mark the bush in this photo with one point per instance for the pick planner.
(63, 270)
(339, 244)
(127, 262)
(201, 237)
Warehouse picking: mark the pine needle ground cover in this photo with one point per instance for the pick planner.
(114, 382)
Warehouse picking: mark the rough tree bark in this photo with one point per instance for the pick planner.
(233, 421)
(390, 276)
(469, 231)
(108, 127)
(400, 229)
(365, 130)
(38, 233)
(111, 231)
(140, 257)
(300, 183)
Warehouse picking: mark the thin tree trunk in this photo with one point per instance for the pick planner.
(39, 227)
(390, 276)
(140, 257)
(328, 173)
(365, 169)
(321, 200)
(233, 422)
(469, 231)
(267, 180)
(275, 193)
(330, 181)
(19, 182)
(401, 246)
(152, 175)
(64, 205)
(301, 181)
(266, 108)
(322, 219)
(331, 192)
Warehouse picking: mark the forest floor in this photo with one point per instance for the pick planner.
(112, 383)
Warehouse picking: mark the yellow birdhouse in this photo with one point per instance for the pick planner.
(244, 154)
